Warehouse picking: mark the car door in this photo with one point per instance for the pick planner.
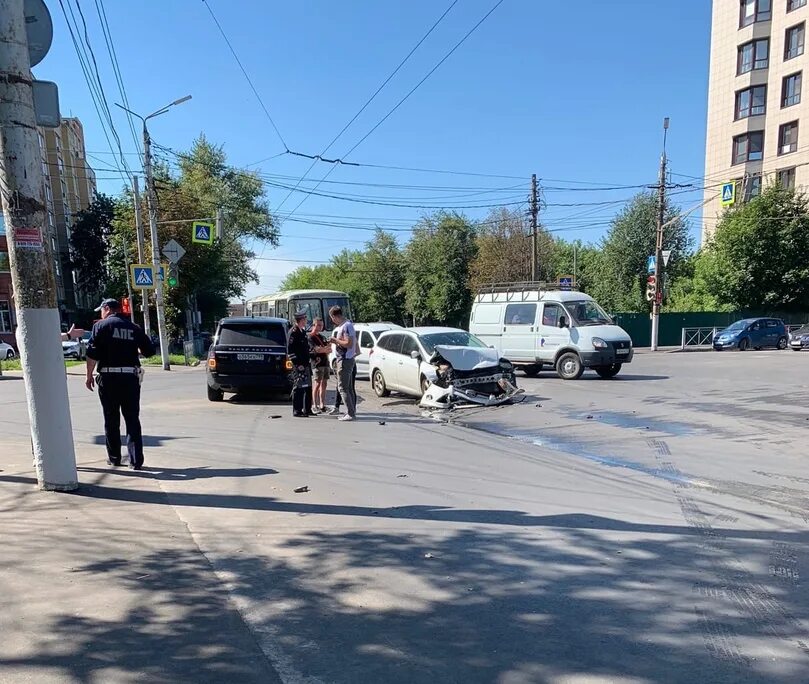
(519, 331)
(388, 361)
(409, 378)
(367, 344)
(551, 337)
(773, 333)
(757, 334)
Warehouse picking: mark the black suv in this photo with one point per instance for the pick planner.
(248, 354)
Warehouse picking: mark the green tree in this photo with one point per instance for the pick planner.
(380, 270)
(218, 273)
(504, 250)
(577, 259)
(89, 245)
(438, 258)
(620, 277)
(758, 255)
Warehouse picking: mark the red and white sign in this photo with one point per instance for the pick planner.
(28, 238)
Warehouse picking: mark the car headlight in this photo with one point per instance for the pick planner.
(505, 364)
(598, 343)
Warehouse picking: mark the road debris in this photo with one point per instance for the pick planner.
(381, 422)
(301, 490)
(274, 417)
(590, 417)
(429, 555)
(401, 476)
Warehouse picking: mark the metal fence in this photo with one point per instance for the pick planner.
(697, 337)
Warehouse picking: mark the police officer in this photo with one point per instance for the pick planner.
(299, 354)
(113, 352)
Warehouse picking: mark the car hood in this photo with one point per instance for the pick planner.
(468, 358)
(608, 333)
(729, 333)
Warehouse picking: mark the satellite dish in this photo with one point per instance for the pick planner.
(39, 28)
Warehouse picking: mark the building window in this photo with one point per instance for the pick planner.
(753, 55)
(5, 317)
(748, 147)
(752, 187)
(793, 46)
(788, 138)
(786, 178)
(5, 265)
(753, 11)
(791, 90)
(795, 4)
(751, 102)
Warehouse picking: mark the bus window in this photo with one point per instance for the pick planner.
(329, 302)
(312, 308)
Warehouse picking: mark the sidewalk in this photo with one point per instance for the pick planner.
(85, 595)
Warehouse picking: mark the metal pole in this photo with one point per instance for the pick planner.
(152, 206)
(147, 325)
(534, 214)
(31, 257)
(661, 209)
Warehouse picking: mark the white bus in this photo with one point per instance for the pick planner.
(316, 304)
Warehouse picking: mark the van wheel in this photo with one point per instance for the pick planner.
(782, 342)
(378, 381)
(214, 394)
(532, 371)
(608, 372)
(569, 367)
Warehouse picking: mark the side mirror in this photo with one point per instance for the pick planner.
(415, 355)
(563, 322)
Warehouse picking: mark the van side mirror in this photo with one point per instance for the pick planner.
(415, 355)
(563, 322)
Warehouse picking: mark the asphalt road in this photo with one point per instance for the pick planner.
(652, 528)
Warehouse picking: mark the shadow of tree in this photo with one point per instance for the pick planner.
(573, 604)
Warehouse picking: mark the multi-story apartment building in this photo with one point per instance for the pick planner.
(73, 188)
(758, 128)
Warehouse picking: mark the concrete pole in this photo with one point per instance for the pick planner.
(22, 190)
(147, 326)
(661, 210)
(534, 215)
(151, 203)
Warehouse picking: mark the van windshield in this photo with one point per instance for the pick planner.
(253, 335)
(587, 312)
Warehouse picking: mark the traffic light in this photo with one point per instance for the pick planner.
(125, 307)
(651, 288)
(173, 278)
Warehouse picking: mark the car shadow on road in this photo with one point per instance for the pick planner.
(473, 605)
(181, 474)
(592, 377)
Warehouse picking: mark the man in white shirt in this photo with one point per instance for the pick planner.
(345, 349)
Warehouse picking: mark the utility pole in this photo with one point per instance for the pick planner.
(534, 216)
(31, 257)
(151, 203)
(661, 209)
(147, 326)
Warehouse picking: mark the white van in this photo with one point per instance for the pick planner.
(566, 330)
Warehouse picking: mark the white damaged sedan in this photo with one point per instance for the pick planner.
(442, 366)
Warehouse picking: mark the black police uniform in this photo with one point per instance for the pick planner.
(114, 345)
(298, 350)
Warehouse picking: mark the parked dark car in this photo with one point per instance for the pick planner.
(752, 333)
(248, 354)
(799, 339)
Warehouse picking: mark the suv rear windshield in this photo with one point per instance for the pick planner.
(253, 335)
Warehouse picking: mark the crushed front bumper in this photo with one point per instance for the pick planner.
(464, 392)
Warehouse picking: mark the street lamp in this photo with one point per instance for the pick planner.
(152, 206)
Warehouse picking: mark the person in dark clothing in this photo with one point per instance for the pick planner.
(112, 351)
(319, 349)
(298, 350)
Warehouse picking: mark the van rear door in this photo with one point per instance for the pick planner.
(486, 323)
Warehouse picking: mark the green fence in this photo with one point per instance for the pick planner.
(671, 324)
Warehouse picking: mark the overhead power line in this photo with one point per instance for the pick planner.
(407, 96)
(319, 157)
(246, 75)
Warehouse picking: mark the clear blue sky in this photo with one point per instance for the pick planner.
(572, 91)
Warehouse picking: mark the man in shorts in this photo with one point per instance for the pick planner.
(319, 349)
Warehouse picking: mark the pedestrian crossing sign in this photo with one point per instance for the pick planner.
(728, 194)
(202, 232)
(142, 276)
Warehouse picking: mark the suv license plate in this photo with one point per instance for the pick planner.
(249, 357)
(623, 352)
